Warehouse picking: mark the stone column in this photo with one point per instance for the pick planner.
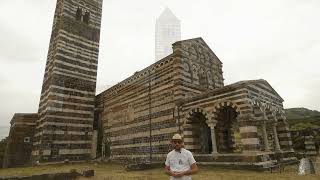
(264, 129)
(276, 138)
(214, 142)
(213, 138)
(265, 137)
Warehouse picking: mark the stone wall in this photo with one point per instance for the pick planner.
(143, 101)
(182, 93)
(148, 100)
(199, 70)
(19, 146)
(305, 142)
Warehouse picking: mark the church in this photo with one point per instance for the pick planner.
(132, 122)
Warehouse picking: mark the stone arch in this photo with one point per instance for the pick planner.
(255, 102)
(225, 113)
(272, 124)
(194, 71)
(86, 17)
(220, 104)
(79, 14)
(272, 112)
(259, 109)
(207, 56)
(282, 117)
(209, 76)
(195, 110)
(196, 131)
(203, 79)
(186, 67)
(282, 129)
(264, 130)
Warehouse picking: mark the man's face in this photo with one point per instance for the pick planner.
(177, 144)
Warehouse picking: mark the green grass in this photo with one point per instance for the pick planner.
(117, 172)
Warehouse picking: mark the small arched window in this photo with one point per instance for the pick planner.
(203, 80)
(79, 14)
(86, 17)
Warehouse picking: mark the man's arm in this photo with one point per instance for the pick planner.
(193, 170)
(168, 171)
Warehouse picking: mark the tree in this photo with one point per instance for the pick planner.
(3, 145)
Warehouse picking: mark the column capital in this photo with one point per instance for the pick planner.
(212, 123)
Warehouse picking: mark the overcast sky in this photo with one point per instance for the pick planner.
(276, 40)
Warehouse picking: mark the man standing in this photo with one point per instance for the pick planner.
(180, 164)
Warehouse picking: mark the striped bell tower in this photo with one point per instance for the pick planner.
(66, 109)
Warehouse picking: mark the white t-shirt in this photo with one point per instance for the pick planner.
(179, 162)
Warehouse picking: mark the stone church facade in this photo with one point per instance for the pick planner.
(182, 93)
(185, 93)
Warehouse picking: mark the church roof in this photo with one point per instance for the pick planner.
(198, 39)
(233, 87)
(258, 81)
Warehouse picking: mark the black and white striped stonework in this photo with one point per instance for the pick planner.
(309, 145)
(66, 108)
(151, 95)
(129, 106)
(239, 96)
(141, 113)
(285, 136)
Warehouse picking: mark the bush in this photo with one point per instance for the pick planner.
(3, 145)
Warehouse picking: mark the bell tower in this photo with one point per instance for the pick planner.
(66, 110)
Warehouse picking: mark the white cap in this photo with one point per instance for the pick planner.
(176, 137)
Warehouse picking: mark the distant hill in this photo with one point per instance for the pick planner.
(298, 113)
(302, 118)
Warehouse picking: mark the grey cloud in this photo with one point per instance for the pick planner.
(3, 81)
(15, 47)
(16, 101)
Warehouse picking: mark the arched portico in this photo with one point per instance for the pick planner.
(197, 132)
(226, 127)
(244, 120)
(273, 128)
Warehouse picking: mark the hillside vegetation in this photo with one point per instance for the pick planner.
(302, 118)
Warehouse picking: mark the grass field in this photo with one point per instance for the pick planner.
(117, 172)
